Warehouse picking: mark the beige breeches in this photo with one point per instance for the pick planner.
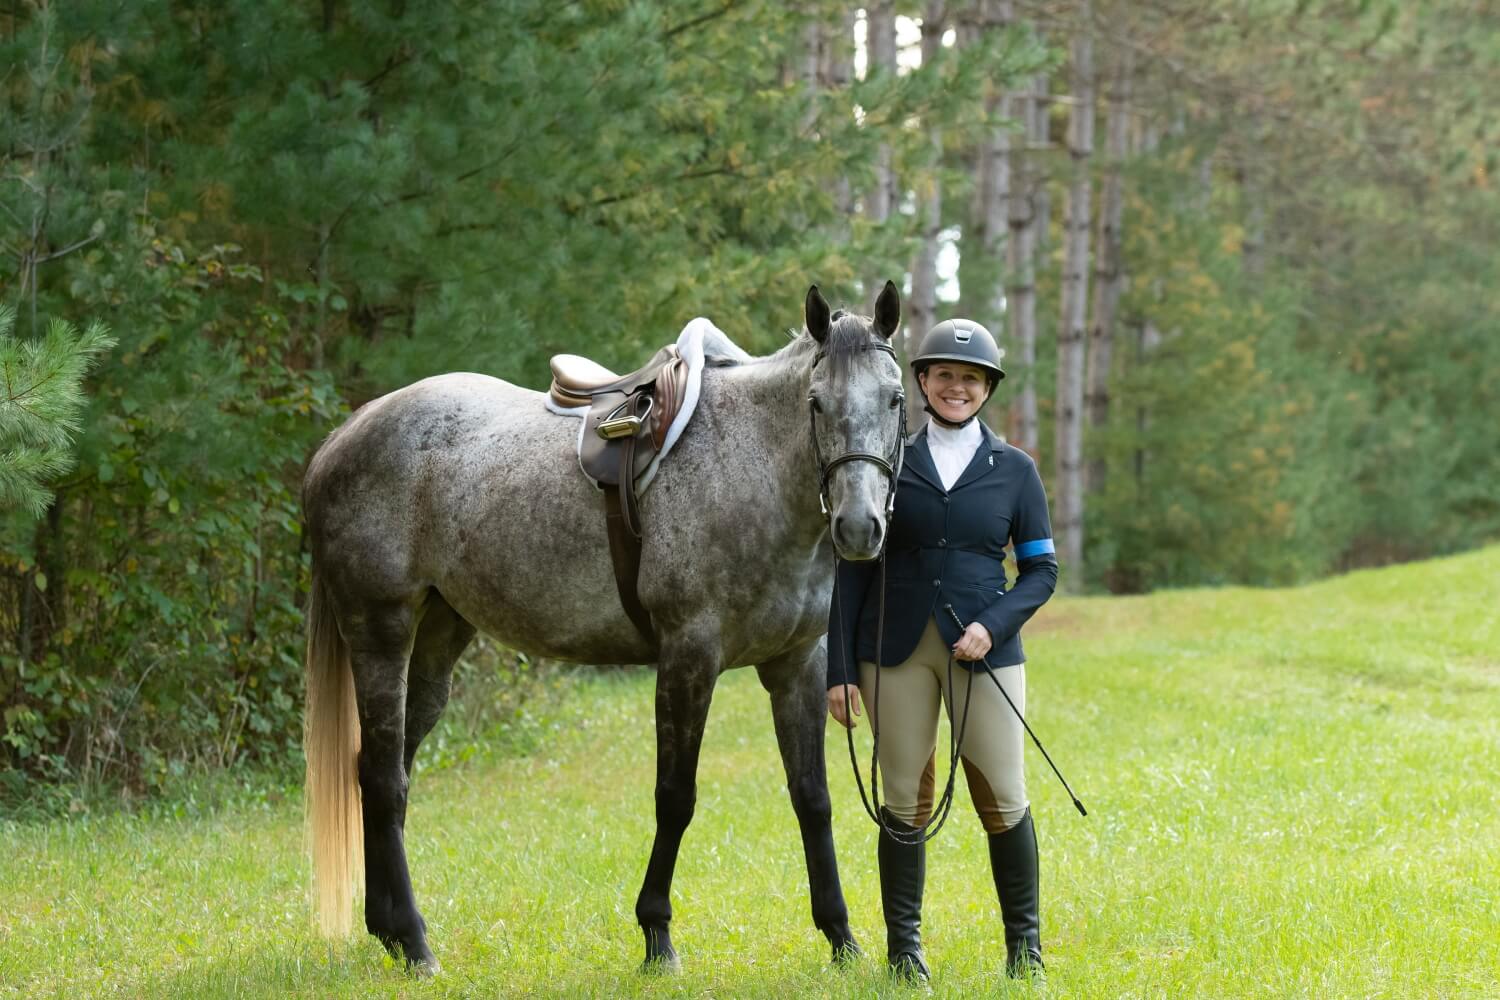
(906, 717)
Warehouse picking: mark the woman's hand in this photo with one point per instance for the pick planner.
(836, 705)
(974, 644)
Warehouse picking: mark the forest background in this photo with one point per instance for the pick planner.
(1241, 257)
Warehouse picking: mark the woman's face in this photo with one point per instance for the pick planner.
(956, 391)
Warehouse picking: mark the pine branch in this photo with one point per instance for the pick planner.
(712, 15)
(41, 405)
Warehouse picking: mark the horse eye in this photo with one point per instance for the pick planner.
(897, 400)
(817, 406)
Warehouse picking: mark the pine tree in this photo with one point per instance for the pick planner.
(41, 397)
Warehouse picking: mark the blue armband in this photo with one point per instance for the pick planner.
(1040, 547)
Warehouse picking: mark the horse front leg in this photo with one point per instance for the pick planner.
(796, 683)
(684, 688)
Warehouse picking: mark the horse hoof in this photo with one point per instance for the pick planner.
(661, 957)
(846, 953)
(424, 968)
(418, 962)
(665, 964)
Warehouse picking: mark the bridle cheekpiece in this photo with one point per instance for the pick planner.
(889, 464)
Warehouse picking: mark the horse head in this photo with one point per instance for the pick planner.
(858, 419)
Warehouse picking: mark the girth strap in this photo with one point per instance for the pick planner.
(622, 521)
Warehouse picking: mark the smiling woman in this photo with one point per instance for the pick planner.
(954, 392)
(963, 496)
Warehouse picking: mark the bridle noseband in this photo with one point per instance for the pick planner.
(889, 464)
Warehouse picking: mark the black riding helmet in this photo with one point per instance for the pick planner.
(963, 341)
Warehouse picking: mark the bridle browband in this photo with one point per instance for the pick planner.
(889, 464)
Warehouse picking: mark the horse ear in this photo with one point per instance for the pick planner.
(888, 310)
(817, 315)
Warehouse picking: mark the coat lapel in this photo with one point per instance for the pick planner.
(918, 458)
(983, 462)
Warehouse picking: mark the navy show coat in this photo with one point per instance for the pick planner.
(948, 547)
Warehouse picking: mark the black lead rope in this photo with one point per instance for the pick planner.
(939, 816)
(891, 466)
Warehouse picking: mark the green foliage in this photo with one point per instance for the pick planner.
(41, 396)
(284, 212)
(177, 643)
(1228, 458)
(1309, 226)
(501, 705)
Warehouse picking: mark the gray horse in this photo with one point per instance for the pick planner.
(456, 503)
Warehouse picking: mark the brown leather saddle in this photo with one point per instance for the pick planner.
(623, 432)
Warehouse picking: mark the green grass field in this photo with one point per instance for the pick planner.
(1292, 793)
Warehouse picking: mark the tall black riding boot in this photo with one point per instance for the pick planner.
(1013, 859)
(903, 872)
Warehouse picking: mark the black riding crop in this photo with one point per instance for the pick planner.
(991, 672)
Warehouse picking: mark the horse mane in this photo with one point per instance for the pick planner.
(848, 336)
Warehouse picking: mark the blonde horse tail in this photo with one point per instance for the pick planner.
(335, 828)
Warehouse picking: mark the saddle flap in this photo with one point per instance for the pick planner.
(628, 422)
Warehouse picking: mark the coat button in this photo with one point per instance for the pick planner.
(937, 583)
(945, 500)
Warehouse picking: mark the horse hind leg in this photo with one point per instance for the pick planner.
(380, 637)
(442, 637)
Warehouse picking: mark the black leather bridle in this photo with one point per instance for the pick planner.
(889, 464)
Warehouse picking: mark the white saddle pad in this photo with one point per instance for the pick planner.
(690, 344)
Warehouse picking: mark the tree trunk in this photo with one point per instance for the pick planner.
(1068, 486)
(827, 64)
(982, 278)
(42, 615)
(810, 69)
(880, 51)
(1147, 337)
(1109, 273)
(1253, 192)
(837, 71)
(1041, 138)
(989, 215)
(923, 314)
(1026, 217)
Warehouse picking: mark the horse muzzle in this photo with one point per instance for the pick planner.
(857, 537)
